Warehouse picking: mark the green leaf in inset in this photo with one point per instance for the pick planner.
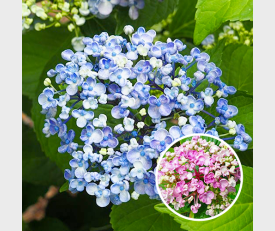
(140, 215)
(212, 13)
(239, 217)
(152, 13)
(183, 22)
(37, 49)
(237, 67)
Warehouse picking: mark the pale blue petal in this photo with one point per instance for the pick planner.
(97, 136)
(139, 187)
(91, 188)
(115, 188)
(102, 201)
(67, 54)
(153, 112)
(124, 196)
(175, 132)
(187, 129)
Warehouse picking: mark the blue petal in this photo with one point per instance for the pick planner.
(91, 188)
(187, 129)
(97, 136)
(139, 187)
(160, 134)
(102, 201)
(153, 112)
(115, 188)
(149, 190)
(165, 109)
(67, 54)
(133, 155)
(175, 132)
(124, 196)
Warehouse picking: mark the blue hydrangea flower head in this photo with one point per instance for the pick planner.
(120, 103)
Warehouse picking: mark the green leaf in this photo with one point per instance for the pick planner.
(237, 67)
(140, 216)
(244, 103)
(36, 167)
(152, 13)
(216, 53)
(212, 13)
(183, 22)
(246, 157)
(37, 49)
(64, 187)
(97, 26)
(239, 217)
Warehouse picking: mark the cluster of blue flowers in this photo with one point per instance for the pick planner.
(103, 8)
(148, 87)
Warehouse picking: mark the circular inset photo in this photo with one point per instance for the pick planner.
(199, 177)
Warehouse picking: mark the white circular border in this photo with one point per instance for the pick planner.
(197, 219)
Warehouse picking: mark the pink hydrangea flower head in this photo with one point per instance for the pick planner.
(194, 169)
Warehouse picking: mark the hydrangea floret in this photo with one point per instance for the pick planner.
(119, 103)
(199, 175)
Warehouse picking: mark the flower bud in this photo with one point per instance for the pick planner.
(142, 112)
(74, 10)
(232, 131)
(182, 120)
(54, 6)
(128, 29)
(58, 16)
(219, 93)
(140, 124)
(124, 147)
(39, 26)
(176, 82)
(71, 27)
(103, 151)
(190, 199)
(134, 195)
(47, 82)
